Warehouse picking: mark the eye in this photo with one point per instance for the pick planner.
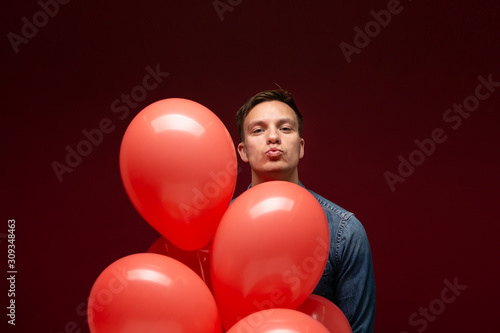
(257, 130)
(286, 129)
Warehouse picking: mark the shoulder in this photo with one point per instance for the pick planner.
(346, 220)
(331, 207)
(349, 242)
(343, 222)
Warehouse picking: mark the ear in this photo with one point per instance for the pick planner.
(242, 151)
(302, 143)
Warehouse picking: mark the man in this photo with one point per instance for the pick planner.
(270, 129)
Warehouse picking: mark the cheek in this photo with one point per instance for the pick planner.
(251, 147)
(252, 153)
(297, 146)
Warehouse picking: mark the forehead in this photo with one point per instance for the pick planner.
(270, 111)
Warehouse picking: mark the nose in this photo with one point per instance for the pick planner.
(273, 136)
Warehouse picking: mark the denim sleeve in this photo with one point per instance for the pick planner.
(354, 281)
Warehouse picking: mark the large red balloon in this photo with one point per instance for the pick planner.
(327, 313)
(278, 321)
(269, 251)
(148, 292)
(197, 260)
(178, 166)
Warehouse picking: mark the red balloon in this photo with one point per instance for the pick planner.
(327, 313)
(269, 251)
(278, 321)
(178, 166)
(197, 260)
(148, 292)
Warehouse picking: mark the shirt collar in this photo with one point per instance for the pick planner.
(300, 184)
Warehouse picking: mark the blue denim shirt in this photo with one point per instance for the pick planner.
(348, 280)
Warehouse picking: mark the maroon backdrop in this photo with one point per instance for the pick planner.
(366, 98)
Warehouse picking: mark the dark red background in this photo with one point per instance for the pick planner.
(441, 223)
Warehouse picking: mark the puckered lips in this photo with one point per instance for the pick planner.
(274, 153)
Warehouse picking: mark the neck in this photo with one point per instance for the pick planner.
(292, 177)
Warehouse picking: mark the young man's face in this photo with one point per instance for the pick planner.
(272, 145)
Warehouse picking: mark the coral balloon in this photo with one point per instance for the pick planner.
(148, 292)
(178, 166)
(197, 260)
(269, 251)
(327, 313)
(278, 321)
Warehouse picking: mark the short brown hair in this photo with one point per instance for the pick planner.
(266, 96)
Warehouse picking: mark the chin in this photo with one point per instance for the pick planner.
(277, 172)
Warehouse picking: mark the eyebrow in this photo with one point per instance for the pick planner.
(280, 121)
